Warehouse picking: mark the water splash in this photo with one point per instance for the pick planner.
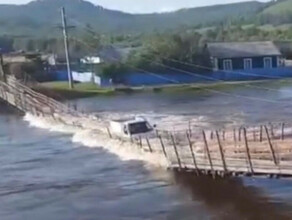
(95, 138)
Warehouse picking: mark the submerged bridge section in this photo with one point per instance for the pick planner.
(265, 150)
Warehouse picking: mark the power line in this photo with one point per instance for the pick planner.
(241, 96)
(209, 77)
(89, 30)
(234, 72)
(199, 86)
(193, 74)
(189, 64)
(139, 69)
(212, 78)
(202, 67)
(225, 71)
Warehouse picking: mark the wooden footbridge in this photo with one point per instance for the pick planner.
(265, 150)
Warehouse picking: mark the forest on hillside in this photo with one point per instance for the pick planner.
(158, 52)
(41, 18)
(153, 50)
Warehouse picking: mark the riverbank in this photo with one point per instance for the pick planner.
(61, 91)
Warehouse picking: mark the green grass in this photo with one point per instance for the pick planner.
(78, 87)
(61, 90)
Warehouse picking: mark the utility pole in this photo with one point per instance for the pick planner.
(64, 22)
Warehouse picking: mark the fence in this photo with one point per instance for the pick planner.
(263, 150)
(140, 79)
(30, 101)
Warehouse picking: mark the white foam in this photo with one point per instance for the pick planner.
(91, 137)
(168, 122)
(125, 150)
(49, 124)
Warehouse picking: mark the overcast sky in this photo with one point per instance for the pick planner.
(145, 6)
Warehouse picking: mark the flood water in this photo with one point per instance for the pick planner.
(44, 175)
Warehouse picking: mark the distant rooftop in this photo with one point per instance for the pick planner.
(243, 49)
(114, 54)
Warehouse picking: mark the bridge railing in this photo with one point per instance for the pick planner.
(28, 100)
(263, 150)
(254, 150)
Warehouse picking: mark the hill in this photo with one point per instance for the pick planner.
(202, 16)
(281, 7)
(278, 13)
(41, 17)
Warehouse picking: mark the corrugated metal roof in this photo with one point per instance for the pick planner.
(243, 49)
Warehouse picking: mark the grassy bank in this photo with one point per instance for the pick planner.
(60, 90)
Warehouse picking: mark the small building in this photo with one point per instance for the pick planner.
(51, 59)
(91, 60)
(244, 55)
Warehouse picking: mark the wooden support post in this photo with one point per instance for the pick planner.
(176, 152)
(208, 151)
(109, 132)
(5, 94)
(43, 113)
(1, 92)
(247, 151)
(271, 147)
(254, 135)
(19, 101)
(23, 98)
(283, 132)
(34, 110)
(157, 134)
(140, 141)
(223, 134)
(168, 134)
(190, 128)
(221, 152)
(261, 133)
(24, 101)
(192, 151)
(162, 145)
(234, 134)
(211, 135)
(239, 134)
(2, 72)
(149, 145)
(15, 100)
(272, 130)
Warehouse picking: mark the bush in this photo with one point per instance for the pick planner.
(113, 70)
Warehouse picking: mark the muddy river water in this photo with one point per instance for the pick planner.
(45, 175)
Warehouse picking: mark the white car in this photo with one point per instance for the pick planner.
(133, 128)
